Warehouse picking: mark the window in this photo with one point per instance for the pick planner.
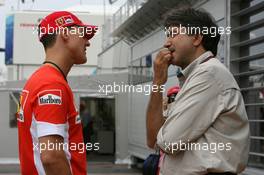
(141, 70)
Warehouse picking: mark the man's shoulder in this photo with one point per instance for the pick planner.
(44, 77)
(219, 73)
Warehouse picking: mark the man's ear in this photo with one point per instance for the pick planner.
(197, 40)
(64, 32)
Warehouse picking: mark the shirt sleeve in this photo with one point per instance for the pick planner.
(51, 109)
(194, 110)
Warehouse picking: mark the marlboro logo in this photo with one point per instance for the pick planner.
(50, 97)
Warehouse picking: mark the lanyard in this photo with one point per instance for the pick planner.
(57, 68)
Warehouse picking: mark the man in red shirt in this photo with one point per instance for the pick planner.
(50, 130)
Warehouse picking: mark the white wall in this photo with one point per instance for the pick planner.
(121, 123)
(29, 52)
(114, 59)
(137, 120)
(28, 49)
(137, 125)
(2, 57)
(148, 44)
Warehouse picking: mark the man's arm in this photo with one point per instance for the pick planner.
(154, 118)
(154, 111)
(53, 160)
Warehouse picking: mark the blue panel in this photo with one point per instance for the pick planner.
(9, 39)
(149, 60)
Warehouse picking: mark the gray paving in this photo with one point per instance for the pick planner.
(94, 168)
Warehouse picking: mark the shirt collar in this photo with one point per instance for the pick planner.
(189, 69)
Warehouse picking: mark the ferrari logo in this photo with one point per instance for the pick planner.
(60, 21)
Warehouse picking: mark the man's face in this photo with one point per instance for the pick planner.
(182, 44)
(77, 44)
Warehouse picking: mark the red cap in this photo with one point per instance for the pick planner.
(173, 90)
(60, 19)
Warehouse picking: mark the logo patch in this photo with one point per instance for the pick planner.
(50, 97)
(68, 19)
(61, 21)
(21, 105)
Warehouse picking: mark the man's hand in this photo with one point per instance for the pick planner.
(154, 118)
(54, 160)
(161, 65)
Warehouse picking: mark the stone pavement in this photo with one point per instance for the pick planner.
(94, 168)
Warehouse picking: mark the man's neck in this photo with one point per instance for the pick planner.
(65, 66)
(196, 55)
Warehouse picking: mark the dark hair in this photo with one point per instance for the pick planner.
(189, 17)
(48, 40)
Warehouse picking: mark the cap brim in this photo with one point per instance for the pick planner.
(173, 90)
(91, 32)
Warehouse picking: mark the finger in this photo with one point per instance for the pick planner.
(171, 49)
(164, 51)
(167, 58)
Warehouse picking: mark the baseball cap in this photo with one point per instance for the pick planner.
(173, 90)
(61, 19)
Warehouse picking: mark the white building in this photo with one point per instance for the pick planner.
(131, 39)
(24, 53)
